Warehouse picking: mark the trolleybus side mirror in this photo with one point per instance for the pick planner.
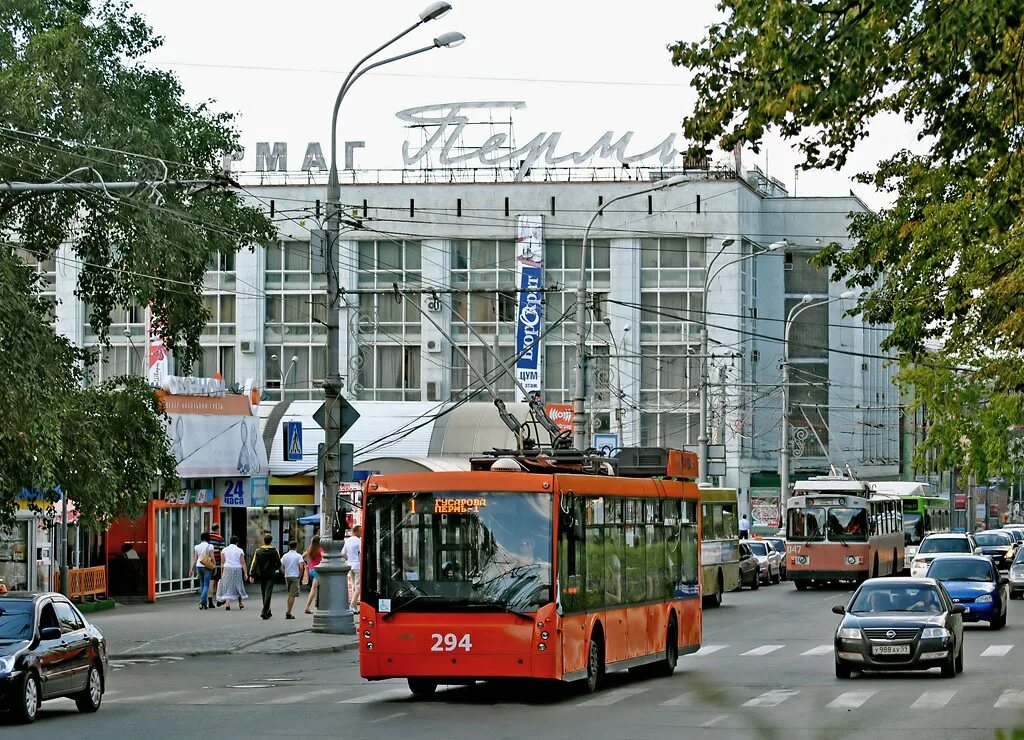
(839, 609)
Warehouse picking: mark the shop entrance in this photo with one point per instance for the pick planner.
(177, 530)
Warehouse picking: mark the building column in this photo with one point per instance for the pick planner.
(625, 288)
(435, 350)
(70, 315)
(250, 317)
(348, 320)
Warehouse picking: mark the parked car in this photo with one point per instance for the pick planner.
(1017, 575)
(768, 558)
(941, 544)
(750, 569)
(974, 581)
(48, 650)
(900, 624)
(997, 545)
(779, 545)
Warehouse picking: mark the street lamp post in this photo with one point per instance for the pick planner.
(284, 374)
(579, 423)
(805, 303)
(333, 614)
(702, 431)
(618, 375)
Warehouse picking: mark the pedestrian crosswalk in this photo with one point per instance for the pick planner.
(775, 650)
(674, 694)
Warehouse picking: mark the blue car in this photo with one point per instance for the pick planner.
(974, 582)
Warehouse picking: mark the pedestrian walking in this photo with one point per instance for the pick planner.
(233, 575)
(293, 566)
(744, 527)
(203, 565)
(313, 555)
(352, 550)
(217, 540)
(266, 562)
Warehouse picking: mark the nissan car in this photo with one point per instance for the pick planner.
(900, 624)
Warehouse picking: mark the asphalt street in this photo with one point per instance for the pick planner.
(765, 671)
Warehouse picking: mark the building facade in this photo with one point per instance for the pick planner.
(647, 262)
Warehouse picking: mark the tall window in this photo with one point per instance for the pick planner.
(126, 352)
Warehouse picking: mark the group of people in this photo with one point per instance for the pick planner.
(222, 571)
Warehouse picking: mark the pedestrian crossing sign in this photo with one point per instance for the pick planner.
(293, 440)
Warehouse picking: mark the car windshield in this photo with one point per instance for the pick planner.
(944, 544)
(878, 598)
(446, 550)
(1020, 557)
(779, 545)
(955, 569)
(16, 619)
(758, 548)
(992, 539)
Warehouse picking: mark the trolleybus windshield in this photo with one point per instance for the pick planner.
(450, 551)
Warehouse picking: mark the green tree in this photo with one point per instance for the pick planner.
(78, 105)
(944, 261)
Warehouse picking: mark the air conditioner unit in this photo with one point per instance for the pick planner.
(433, 346)
(247, 346)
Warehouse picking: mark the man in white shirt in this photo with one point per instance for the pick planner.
(292, 566)
(744, 528)
(351, 550)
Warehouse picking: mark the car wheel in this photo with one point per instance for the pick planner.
(960, 660)
(999, 622)
(90, 699)
(842, 671)
(422, 687)
(25, 703)
(949, 667)
(756, 584)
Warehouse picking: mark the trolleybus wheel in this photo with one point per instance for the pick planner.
(422, 687)
(595, 663)
(667, 665)
(800, 585)
(715, 600)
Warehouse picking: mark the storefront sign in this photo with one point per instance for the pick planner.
(561, 414)
(215, 437)
(764, 512)
(959, 502)
(156, 355)
(530, 311)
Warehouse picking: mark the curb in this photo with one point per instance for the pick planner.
(237, 651)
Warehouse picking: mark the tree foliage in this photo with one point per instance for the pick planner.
(78, 105)
(944, 261)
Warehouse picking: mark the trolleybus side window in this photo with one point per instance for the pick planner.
(571, 560)
(655, 541)
(689, 574)
(614, 531)
(635, 561)
(595, 553)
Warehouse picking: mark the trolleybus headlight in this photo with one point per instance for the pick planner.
(542, 647)
(544, 635)
(540, 625)
(803, 560)
(366, 634)
(851, 559)
(369, 646)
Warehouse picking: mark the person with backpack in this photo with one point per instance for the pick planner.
(203, 564)
(266, 562)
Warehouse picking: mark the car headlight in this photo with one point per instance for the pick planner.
(849, 633)
(985, 599)
(935, 632)
(6, 664)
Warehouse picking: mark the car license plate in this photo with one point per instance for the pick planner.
(890, 649)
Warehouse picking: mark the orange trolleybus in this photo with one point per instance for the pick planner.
(839, 529)
(529, 568)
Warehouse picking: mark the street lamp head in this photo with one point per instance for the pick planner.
(273, 358)
(607, 321)
(625, 328)
(781, 244)
(295, 359)
(434, 11)
(806, 299)
(670, 182)
(847, 294)
(728, 243)
(449, 40)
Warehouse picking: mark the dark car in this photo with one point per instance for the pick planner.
(974, 581)
(900, 624)
(48, 650)
(997, 545)
(750, 569)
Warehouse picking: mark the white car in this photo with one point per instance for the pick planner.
(949, 543)
(769, 560)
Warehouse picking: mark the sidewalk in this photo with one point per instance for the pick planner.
(175, 626)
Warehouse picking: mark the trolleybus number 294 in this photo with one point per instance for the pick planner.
(449, 642)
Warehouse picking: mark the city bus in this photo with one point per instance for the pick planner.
(524, 567)
(719, 543)
(923, 513)
(839, 529)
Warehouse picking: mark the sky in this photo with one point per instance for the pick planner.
(582, 68)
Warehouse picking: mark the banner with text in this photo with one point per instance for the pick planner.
(529, 306)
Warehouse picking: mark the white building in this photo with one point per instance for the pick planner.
(647, 271)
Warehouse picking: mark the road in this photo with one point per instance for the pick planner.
(765, 671)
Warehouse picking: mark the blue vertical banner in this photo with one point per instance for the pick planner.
(529, 304)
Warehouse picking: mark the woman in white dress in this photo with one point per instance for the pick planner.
(233, 575)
